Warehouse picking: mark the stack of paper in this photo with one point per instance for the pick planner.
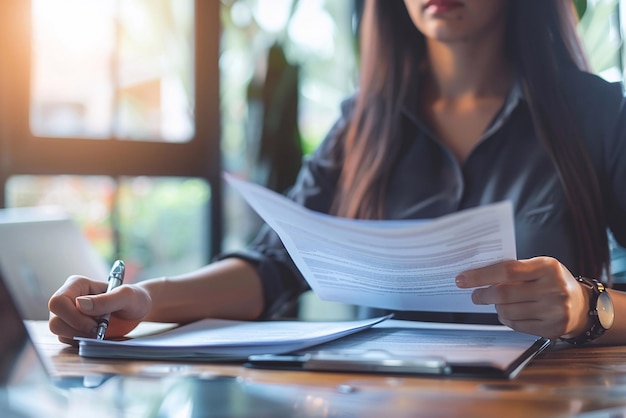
(217, 339)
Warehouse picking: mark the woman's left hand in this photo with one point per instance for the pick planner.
(537, 296)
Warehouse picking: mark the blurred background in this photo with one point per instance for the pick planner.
(125, 112)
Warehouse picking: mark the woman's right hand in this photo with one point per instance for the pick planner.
(76, 307)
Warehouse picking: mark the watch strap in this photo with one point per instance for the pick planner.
(596, 329)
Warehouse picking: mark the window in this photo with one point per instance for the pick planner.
(110, 108)
(106, 69)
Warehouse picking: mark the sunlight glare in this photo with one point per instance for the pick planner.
(77, 24)
(272, 15)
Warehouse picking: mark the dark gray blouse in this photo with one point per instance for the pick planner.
(509, 163)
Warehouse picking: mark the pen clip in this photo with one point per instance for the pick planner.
(116, 276)
(117, 271)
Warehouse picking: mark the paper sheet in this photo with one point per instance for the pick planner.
(391, 264)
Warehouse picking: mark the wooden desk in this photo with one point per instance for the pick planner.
(560, 383)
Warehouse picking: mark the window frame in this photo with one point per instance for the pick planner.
(21, 153)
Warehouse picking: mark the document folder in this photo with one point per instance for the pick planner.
(419, 349)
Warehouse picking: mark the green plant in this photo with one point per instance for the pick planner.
(600, 30)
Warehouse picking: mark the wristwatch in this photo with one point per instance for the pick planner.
(600, 311)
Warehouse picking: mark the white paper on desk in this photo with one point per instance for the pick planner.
(392, 264)
(220, 339)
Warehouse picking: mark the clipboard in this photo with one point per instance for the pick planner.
(385, 362)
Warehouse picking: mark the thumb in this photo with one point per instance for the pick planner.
(84, 304)
(126, 301)
(95, 305)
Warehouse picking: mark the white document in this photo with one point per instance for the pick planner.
(220, 339)
(407, 265)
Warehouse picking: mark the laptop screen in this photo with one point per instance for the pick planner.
(25, 387)
(19, 362)
(38, 252)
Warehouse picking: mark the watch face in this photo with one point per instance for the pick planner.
(606, 314)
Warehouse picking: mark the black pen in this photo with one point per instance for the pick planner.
(116, 278)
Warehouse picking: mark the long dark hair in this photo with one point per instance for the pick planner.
(541, 43)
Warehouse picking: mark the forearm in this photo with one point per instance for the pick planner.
(229, 289)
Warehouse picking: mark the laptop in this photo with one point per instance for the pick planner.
(23, 375)
(39, 249)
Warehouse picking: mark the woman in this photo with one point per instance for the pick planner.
(461, 103)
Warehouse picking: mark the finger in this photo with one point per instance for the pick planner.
(514, 293)
(75, 321)
(63, 329)
(524, 311)
(69, 341)
(527, 326)
(508, 271)
(537, 318)
(80, 285)
(63, 303)
(543, 328)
